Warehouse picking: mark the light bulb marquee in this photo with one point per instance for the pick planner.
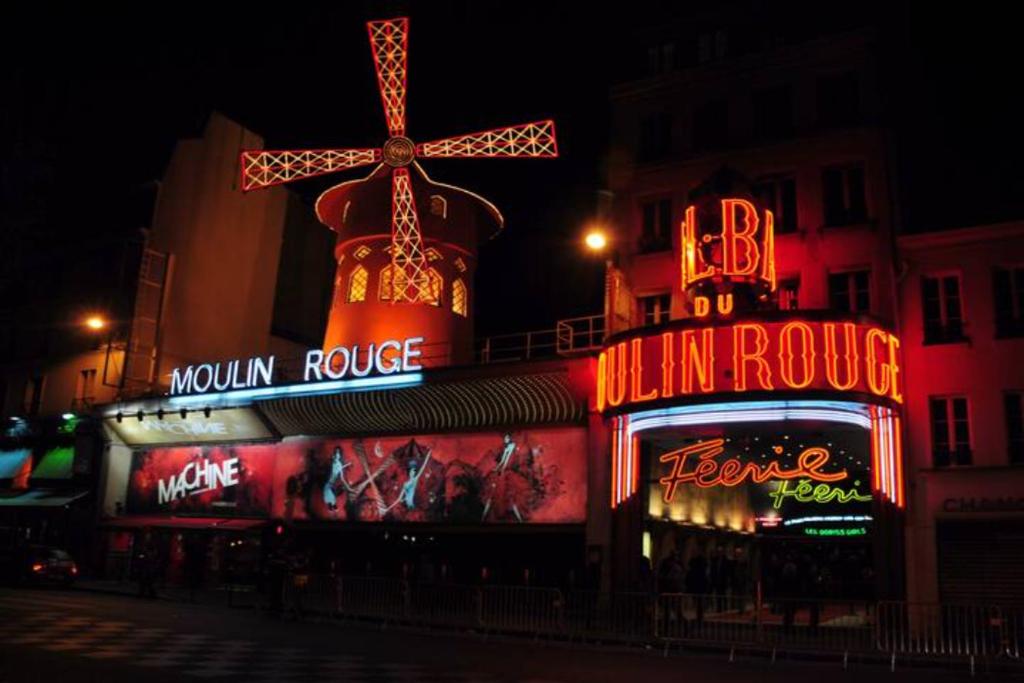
(389, 42)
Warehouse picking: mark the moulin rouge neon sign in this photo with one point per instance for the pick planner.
(794, 355)
(709, 472)
(384, 358)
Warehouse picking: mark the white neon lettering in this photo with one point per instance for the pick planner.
(204, 386)
(408, 352)
(330, 370)
(181, 382)
(263, 372)
(314, 359)
(395, 364)
(355, 361)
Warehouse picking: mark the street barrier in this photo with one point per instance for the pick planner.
(892, 630)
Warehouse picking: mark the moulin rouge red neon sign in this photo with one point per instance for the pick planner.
(709, 472)
(793, 355)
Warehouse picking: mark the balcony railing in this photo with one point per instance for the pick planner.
(570, 337)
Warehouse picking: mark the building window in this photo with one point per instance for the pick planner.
(843, 195)
(1008, 292)
(838, 100)
(386, 286)
(951, 431)
(357, 281)
(460, 299)
(943, 315)
(789, 294)
(656, 225)
(773, 112)
(436, 286)
(34, 394)
(711, 125)
(850, 292)
(712, 46)
(1013, 407)
(661, 58)
(438, 206)
(361, 252)
(85, 391)
(655, 137)
(778, 195)
(656, 308)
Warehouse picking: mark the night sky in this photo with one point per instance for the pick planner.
(95, 98)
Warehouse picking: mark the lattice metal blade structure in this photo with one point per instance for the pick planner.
(274, 167)
(410, 281)
(389, 40)
(535, 139)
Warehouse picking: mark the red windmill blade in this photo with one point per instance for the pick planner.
(389, 41)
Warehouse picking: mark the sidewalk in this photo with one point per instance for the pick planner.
(240, 596)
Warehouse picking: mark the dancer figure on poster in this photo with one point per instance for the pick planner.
(407, 495)
(337, 476)
(506, 453)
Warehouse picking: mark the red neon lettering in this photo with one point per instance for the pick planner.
(699, 360)
(693, 264)
(894, 369)
(701, 306)
(725, 304)
(732, 472)
(637, 374)
(849, 356)
(741, 356)
(768, 252)
(616, 382)
(602, 368)
(877, 373)
(667, 365)
(787, 354)
(735, 241)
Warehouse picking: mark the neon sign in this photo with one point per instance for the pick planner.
(386, 358)
(731, 472)
(743, 249)
(806, 492)
(853, 531)
(198, 476)
(777, 355)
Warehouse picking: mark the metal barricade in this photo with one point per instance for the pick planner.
(817, 625)
(372, 598)
(706, 618)
(932, 629)
(445, 605)
(516, 609)
(613, 616)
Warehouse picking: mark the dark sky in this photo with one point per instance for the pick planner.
(100, 95)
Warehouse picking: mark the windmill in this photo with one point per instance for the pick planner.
(408, 280)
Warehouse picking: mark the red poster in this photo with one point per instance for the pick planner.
(519, 476)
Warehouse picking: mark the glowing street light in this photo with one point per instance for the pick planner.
(596, 239)
(95, 322)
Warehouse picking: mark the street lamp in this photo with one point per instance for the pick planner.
(95, 322)
(596, 239)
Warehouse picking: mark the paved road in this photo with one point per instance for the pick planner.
(50, 635)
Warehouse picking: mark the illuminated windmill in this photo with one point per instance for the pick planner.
(429, 222)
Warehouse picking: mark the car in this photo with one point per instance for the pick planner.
(46, 565)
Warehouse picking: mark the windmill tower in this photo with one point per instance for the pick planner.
(407, 245)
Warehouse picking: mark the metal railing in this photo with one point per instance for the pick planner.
(570, 336)
(888, 630)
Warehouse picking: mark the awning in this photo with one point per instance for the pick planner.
(39, 498)
(471, 403)
(56, 464)
(16, 465)
(172, 522)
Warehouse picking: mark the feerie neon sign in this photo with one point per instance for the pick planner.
(385, 358)
(805, 491)
(793, 355)
(708, 472)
